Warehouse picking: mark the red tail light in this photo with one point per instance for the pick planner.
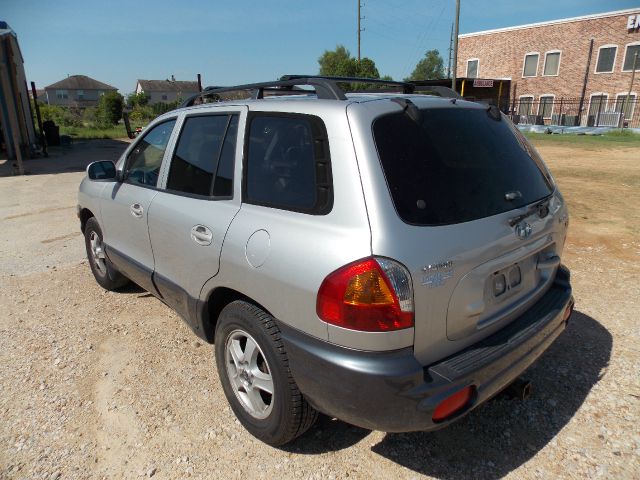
(453, 404)
(371, 295)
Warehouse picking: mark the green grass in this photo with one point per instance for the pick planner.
(117, 131)
(614, 138)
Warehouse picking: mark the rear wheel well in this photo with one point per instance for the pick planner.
(218, 299)
(85, 215)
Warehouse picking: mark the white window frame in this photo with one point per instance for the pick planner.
(633, 105)
(533, 99)
(552, 102)
(466, 73)
(524, 64)
(615, 57)
(599, 94)
(545, 63)
(624, 57)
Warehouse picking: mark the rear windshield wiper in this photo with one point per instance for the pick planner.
(541, 208)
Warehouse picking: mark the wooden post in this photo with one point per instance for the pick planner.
(43, 139)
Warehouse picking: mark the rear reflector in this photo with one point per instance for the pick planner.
(567, 313)
(453, 404)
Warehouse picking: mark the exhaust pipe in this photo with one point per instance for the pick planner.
(520, 389)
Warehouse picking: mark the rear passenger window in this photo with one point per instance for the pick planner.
(202, 163)
(288, 163)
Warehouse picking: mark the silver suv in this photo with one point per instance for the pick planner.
(389, 259)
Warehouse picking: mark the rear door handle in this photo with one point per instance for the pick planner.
(201, 235)
(137, 210)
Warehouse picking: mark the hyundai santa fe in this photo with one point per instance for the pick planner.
(392, 259)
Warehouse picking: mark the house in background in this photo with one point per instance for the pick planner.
(166, 91)
(77, 91)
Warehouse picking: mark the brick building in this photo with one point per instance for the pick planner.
(569, 71)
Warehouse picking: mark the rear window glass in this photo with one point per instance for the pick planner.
(455, 165)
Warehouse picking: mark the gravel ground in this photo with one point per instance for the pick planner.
(96, 384)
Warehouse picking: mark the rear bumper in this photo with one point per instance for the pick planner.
(392, 392)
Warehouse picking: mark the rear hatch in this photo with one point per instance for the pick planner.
(470, 218)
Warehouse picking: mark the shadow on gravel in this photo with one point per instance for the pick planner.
(327, 435)
(501, 435)
(72, 158)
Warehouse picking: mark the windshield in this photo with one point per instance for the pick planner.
(457, 164)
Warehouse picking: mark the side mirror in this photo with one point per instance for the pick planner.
(102, 171)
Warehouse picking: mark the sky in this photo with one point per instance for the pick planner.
(240, 41)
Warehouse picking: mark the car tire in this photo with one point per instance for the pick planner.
(104, 273)
(251, 360)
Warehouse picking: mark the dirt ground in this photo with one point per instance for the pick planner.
(95, 384)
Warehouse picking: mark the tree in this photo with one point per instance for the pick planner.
(109, 111)
(338, 63)
(137, 99)
(430, 67)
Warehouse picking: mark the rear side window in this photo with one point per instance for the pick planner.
(202, 163)
(456, 165)
(288, 163)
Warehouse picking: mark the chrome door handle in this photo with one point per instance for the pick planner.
(201, 235)
(137, 210)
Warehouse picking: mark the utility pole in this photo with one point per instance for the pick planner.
(456, 26)
(359, 29)
(450, 52)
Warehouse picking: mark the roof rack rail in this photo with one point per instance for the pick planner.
(326, 88)
(438, 89)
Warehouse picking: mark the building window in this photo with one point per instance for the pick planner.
(524, 107)
(80, 94)
(472, 67)
(606, 58)
(530, 68)
(551, 63)
(598, 104)
(164, 97)
(629, 53)
(62, 94)
(546, 106)
(623, 106)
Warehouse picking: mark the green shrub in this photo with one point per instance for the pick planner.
(109, 111)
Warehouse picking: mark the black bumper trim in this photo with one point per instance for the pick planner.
(393, 392)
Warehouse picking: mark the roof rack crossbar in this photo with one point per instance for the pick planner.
(326, 88)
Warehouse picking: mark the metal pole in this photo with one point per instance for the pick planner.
(628, 99)
(199, 83)
(454, 70)
(450, 51)
(584, 83)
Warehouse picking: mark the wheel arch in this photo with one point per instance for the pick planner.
(85, 215)
(216, 300)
